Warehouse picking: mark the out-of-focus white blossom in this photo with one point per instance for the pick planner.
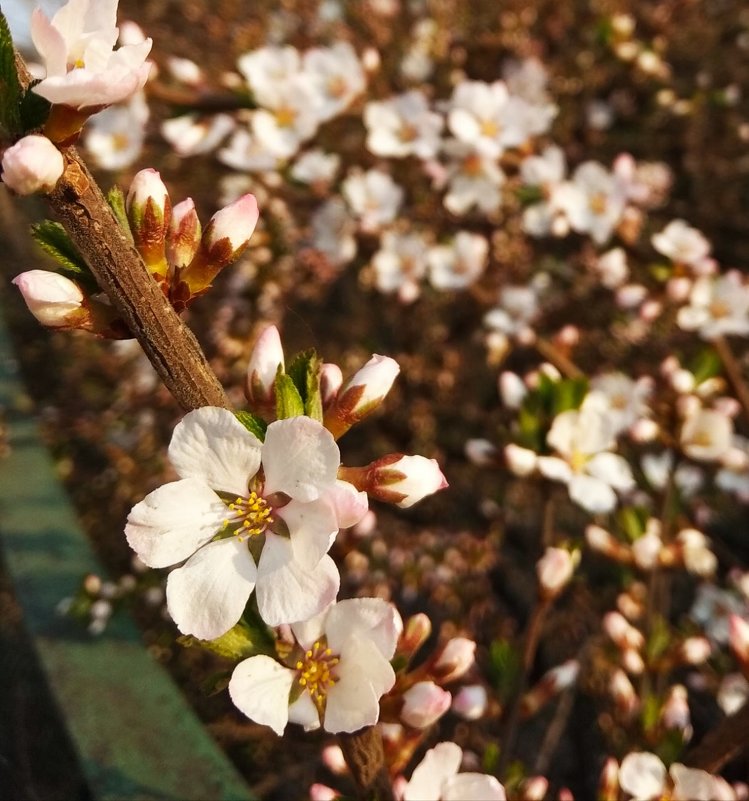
(459, 264)
(717, 307)
(403, 126)
(373, 196)
(400, 264)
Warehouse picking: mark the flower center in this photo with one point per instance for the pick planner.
(490, 128)
(578, 460)
(285, 117)
(719, 309)
(316, 672)
(597, 203)
(253, 514)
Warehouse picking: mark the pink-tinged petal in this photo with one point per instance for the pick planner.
(286, 591)
(473, 787)
(642, 775)
(207, 595)
(310, 630)
(212, 445)
(300, 458)
(173, 521)
(354, 700)
(260, 688)
(49, 43)
(350, 504)
(439, 764)
(304, 712)
(613, 469)
(370, 618)
(313, 527)
(554, 468)
(592, 494)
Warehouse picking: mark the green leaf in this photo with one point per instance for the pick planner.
(633, 521)
(490, 759)
(289, 402)
(706, 365)
(504, 667)
(116, 200)
(53, 239)
(659, 640)
(34, 110)
(252, 423)
(304, 371)
(568, 394)
(10, 87)
(238, 643)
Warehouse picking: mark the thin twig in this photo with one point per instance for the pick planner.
(564, 364)
(733, 371)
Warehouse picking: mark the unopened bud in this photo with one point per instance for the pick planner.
(520, 461)
(321, 792)
(534, 788)
(456, 659)
(331, 379)
(32, 164)
(481, 452)
(738, 638)
(262, 368)
(621, 632)
(424, 703)
(608, 784)
(149, 212)
(554, 570)
(362, 394)
(623, 692)
(333, 759)
(395, 478)
(55, 301)
(470, 702)
(512, 389)
(184, 234)
(695, 650)
(416, 632)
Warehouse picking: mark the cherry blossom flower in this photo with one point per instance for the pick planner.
(287, 119)
(717, 307)
(459, 264)
(373, 196)
(473, 179)
(685, 245)
(593, 201)
(316, 167)
(643, 776)
(82, 69)
(471, 702)
(32, 164)
(333, 230)
(547, 172)
(245, 152)
(267, 68)
(234, 495)
(424, 704)
(334, 676)
(517, 309)
(335, 76)
(191, 134)
(400, 264)
(588, 468)
(622, 398)
(403, 126)
(436, 778)
(114, 138)
(706, 435)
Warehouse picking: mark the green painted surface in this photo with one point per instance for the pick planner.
(136, 736)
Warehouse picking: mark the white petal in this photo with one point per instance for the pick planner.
(286, 591)
(592, 494)
(173, 521)
(210, 443)
(439, 764)
(554, 468)
(350, 504)
(312, 526)
(310, 630)
(613, 469)
(363, 676)
(207, 595)
(642, 775)
(304, 712)
(472, 787)
(260, 688)
(370, 618)
(300, 458)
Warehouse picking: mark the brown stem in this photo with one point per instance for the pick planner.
(565, 365)
(532, 637)
(733, 372)
(724, 743)
(365, 757)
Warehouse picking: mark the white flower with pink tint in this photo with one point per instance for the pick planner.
(554, 570)
(400, 264)
(471, 702)
(706, 435)
(265, 360)
(334, 676)
(424, 704)
(591, 472)
(459, 264)
(76, 47)
(32, 164)
(436, 778)
(546, 172)
(643, 776)
(335, 77)
(55, 301)
(247, 516)
(403, 126)
(114, 138)
(474, 180)
(685, 245)
(717, 307)
(373, 197)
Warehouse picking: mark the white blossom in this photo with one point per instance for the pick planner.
(403, 126)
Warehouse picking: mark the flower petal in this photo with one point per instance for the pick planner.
(207, 596)
(592, 494)
(554, 468)
(260, 688)
(472, 787)
(642, 775)
(439, 764)
(211, 444)
(287, 592)
(613, 469)
(350, 504)
(304, 712)
(300, 458)
(173, 521)
(370, 618)
(312, 526)
(354, 700)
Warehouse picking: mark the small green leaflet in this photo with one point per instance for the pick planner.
(54, 240)
(116, 200)
(304, 370)
(252, 423)
(289, 402)
(10, 88)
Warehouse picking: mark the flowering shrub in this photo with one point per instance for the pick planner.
(563, 342)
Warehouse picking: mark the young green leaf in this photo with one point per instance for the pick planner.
(116, 200)
(54, 240)
(289, 402)
(253, 424)
(10, 87)
(304, 370)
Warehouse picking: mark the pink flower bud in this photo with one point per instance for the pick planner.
(512, 389)
(456, 659)
(470, 702)
(417, 630)
(229, 230)
(481, 452)
(424, 704)
(554, 570)
(149, 211)
(265, 359)
(331, 379)
(395, 478)
(623, 692)
(738, 638)
(534, 788)
(54, 300)
(321, 792)
(695, 650)
(675, 711)
(33, 164)
(621, 632)
(146, 189)
(184, 235)
(520, 461)
(333, 759)
(608, 784)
